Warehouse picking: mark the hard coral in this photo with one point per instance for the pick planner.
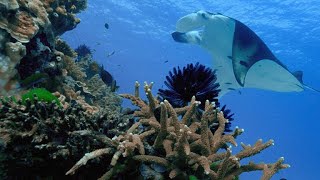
(24, 24)
(35, 25)
(181, 148)
(41, 139)
(63, 47)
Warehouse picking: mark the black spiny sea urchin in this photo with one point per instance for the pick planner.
(82, 51)
(193, 80)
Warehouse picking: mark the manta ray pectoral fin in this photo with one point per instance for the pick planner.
(240, 69)
(298, 75)
(192, 37)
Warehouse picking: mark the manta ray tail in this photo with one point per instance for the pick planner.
(298, 75)
(311, 88)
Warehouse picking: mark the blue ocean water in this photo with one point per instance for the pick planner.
(139, 34)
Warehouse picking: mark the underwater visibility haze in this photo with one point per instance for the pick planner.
(256, 61)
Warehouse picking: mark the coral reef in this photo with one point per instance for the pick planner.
(84, 77)
(43, 134)
(28, 30)
(63, 47)
(40, 139)
(176, 148)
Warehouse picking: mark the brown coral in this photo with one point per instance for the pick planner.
(63, 47)
(34, 24)
(183, 148)
(20, 26)
(23, 19)
(44, 139)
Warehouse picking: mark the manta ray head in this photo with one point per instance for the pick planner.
(194, 21)
(193, 27)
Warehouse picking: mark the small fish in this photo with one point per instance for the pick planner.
(231, 89)
(283, 179)
(110, 54)
(108, 79)
(106, 25)
(165, 61)
(34, 79)
(228, 83)
(114, 86)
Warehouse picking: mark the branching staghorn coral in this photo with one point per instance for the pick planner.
(182, 147)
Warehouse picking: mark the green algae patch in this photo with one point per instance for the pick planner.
(192, 177)
(41, 94)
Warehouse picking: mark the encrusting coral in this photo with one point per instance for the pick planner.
(43, 139)
(178, 148)
(28, 30)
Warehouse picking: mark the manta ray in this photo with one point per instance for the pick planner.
(240, 57)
